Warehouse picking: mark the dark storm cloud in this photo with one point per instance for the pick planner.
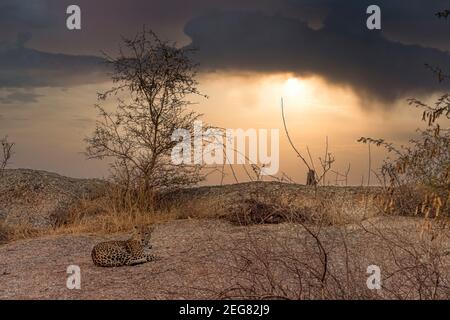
(343, 51)
(103, 24)
(386, 65)
(16, 14)
(411, 21)
(105, 21)
(24, 17)
(22, 67)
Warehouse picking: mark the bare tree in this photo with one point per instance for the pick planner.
(152, 81)
(7, 151)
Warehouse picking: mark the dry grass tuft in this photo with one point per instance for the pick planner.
(244, 204)
(103, 215)
(112, 214)
(17, 232)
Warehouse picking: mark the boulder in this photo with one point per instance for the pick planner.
(40, 199)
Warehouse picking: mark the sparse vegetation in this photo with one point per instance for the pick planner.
(264, 204)
(6, 153)
(418, 177)
(316, 262)
(153, 80)
(313, 176)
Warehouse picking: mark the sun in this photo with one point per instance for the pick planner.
(292, 87)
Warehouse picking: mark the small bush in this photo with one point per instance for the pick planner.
(268, 206)
(418, 178)
(253, 211)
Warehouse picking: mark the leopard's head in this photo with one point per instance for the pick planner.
(143, 234)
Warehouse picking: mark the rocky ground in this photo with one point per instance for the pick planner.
(40, 199)
(209, 257)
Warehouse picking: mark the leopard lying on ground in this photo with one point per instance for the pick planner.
(125, 253)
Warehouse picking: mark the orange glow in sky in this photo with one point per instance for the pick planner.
(314, 110)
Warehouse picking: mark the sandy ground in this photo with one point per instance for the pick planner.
(195, 259)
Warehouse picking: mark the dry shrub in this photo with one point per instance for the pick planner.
(105, 214)
(112, 213)
(418, 177)
(266, 204)
(318, 262)
(415, 200)
(254, 211)
(418, 261)
(266, 209)
(137, 199)
(299, 267)
(22, 231)
(192, 209)
(4, 234)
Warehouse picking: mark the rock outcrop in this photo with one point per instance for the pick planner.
(40, 199)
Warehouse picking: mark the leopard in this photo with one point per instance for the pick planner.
(130, 252)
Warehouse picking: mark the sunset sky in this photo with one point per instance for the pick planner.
(338, 78)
